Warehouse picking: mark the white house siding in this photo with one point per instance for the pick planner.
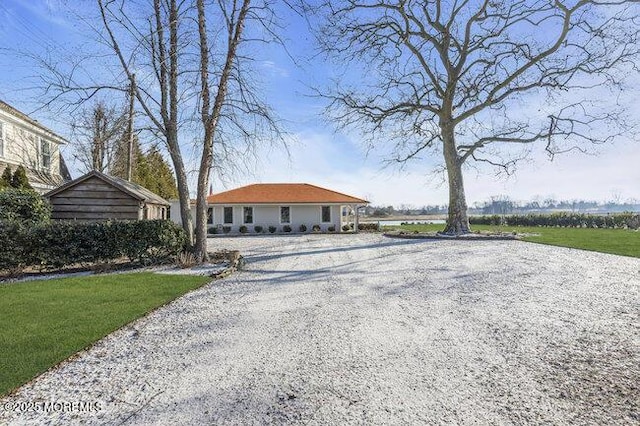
(21, 146)
(269, 215)
(174, 212)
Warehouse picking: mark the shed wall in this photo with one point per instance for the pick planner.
(94, 200)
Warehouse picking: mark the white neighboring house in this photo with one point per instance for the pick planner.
(25, 142)
(278, 205)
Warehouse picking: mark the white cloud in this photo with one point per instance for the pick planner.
(317, 158)
(275, 70)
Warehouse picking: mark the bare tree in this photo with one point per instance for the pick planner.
(156, 49)
(230, 111)
(97, 132)
(449, 77)
(210, 114)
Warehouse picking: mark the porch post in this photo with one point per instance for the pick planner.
(356, 220)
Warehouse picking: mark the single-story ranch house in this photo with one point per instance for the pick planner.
(97, 196)
(280, 205)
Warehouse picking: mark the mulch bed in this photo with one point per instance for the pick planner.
(465, 237)
(121, 265)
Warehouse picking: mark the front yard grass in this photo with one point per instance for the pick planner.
(615, 241)
(44, 322)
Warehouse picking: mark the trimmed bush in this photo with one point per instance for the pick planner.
(5, 179)
(226, 229)
(272, 229)
(346, 228)
(20, 180)
(212, 230)
(315, 228)
(286, 228)
(331, 228)
(23, 205)
(303, 228)
(258, 229)
(243, 229)
(14, 252)
(59, 244)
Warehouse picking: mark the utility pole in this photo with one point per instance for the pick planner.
(132, 94)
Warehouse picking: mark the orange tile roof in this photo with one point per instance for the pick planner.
(282, 193)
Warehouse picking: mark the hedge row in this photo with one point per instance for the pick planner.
(370, 226)
(59, 244)
(563, 220)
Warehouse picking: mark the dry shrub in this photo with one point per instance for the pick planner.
(185, 260)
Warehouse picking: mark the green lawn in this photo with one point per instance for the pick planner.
(45, 322)
(616, 241)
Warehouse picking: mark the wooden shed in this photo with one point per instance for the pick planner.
(97, 196)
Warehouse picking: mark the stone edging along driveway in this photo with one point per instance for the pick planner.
(373, 330)
(465, 237)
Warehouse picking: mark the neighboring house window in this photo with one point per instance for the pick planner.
(248, 214)
(45, 154)
(285, 214)
(228, 215)
(210, 216)
(326, 214)
(2, 139)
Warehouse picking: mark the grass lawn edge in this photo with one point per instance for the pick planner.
(576, 238)
(89, 346)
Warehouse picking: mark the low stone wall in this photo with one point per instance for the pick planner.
(235, 259)
(464, 237)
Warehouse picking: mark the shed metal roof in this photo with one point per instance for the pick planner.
(136, 191)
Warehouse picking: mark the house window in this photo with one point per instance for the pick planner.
(2, 139)
(45, 154)
(285, 214)
(247, 214)
(228, 215)
(326, 214)
(210, 216)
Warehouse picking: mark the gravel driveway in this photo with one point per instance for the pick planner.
(336, 329)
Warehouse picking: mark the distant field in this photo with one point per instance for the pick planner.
(615, 241)
(44, 322)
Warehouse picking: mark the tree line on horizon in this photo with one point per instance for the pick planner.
(504, 205)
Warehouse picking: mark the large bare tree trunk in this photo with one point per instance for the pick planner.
(211, 113)
(182, 184)
(457, 219)
(200, 247)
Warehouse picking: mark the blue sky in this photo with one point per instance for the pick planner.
(318, 153)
